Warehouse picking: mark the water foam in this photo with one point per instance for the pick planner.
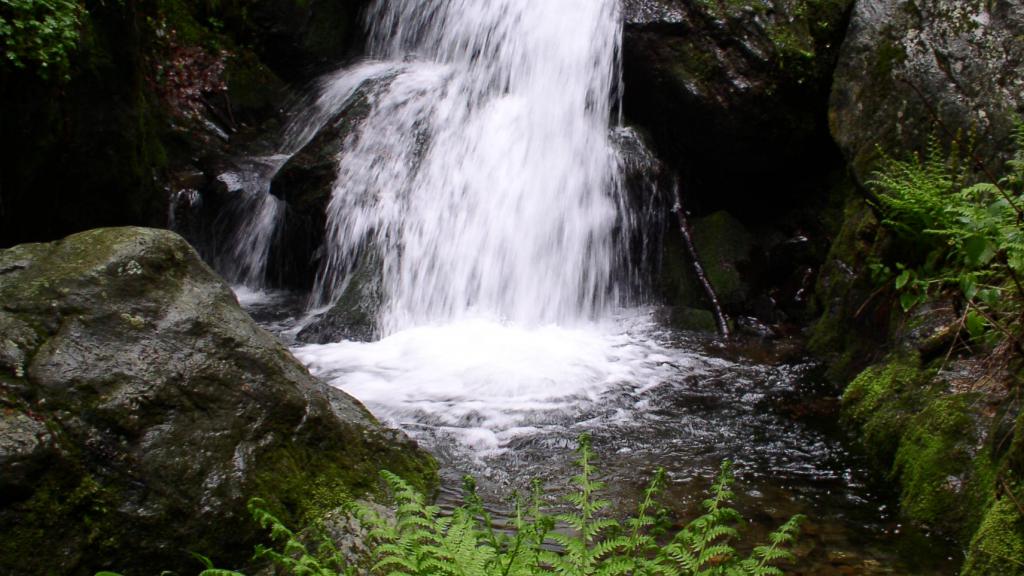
(485, 383)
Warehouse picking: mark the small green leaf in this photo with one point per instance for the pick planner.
(902, 279)
(969, 287)
(979, 251)
(908, 300)
(990, 297)
(975, 324)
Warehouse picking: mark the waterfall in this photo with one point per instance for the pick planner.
(253, 220)
(482, 185)
(484, 176)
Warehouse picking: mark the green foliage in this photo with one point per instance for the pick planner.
(40, 34)
(415, 538)
(972, 235)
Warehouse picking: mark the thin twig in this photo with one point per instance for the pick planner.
(1013, 341)
(1009, 492)
(684, 228)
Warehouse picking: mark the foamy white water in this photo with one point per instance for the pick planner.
(484, 383)
(485, 174)
(486, 179)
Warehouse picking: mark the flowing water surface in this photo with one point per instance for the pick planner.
(485, 182)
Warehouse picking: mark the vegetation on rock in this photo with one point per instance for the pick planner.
(40, 35)
(415, 538)
(940, 413)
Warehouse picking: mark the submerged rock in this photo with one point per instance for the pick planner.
(140, 408)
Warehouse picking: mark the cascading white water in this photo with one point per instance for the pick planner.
(486, 179)
(484, 175)
(244, 262)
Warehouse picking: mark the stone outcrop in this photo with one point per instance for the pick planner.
(140, 408)
(910, 70)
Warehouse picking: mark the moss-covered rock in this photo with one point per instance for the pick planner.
(881, 401)
(724, 246)
(912, 69)
(164, 408)
(935, 464)
(696, 319)
(947, 452)
(853, 319)
(998, 546)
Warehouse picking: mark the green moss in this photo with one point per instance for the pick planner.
(686, 318)
(881, 402)
(845, 332)
(301, 485)
(723, 245)
(935, 462)
(675, 279)
(68, 507)
(997, 548)
(252, 87)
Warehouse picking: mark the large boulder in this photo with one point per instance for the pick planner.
(910, 70)
(140, 408)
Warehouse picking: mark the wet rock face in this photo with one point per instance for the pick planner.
(734, 95)
(140, 408)
(305, 184)
(913, 69)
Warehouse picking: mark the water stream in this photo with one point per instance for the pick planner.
(487, 183)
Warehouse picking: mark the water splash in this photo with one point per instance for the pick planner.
(255, 215)
(485, 175)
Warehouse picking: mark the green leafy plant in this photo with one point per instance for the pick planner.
(415, 538)
(972, 233)
(40, 34)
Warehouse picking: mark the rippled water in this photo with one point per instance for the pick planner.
(505, 403)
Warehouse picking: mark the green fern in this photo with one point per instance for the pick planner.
(415, 539)
(973, 233)
(914, 194)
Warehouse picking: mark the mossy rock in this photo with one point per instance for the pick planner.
(935, 464)
(853, 318)
(997, 548)
(254, 91)
(696, 319)
(166, 407)
(724, 246)
(881, 401)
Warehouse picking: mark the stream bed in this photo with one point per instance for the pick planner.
(505, 404)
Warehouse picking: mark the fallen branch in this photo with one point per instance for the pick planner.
(684, 228)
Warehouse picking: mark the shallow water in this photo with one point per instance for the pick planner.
(505, 404)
